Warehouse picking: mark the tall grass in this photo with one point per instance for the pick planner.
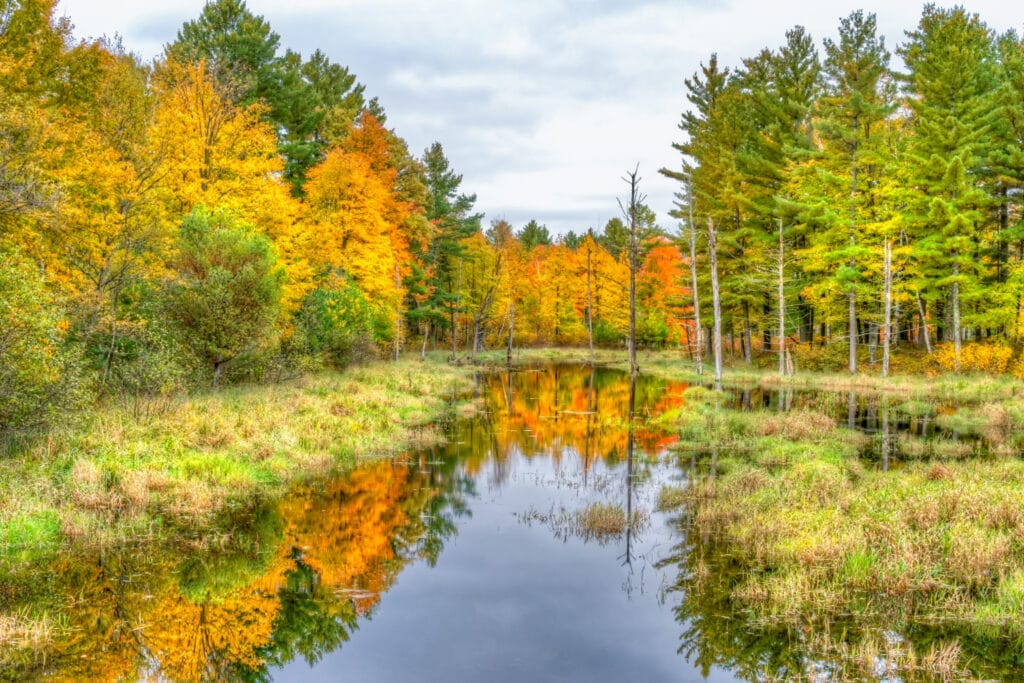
(125, 474)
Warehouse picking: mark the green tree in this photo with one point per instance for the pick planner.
(534, 235)
(837, 192)
(226, 292)
(951, 83)
(450, 215)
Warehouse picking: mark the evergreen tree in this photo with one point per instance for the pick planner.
(534, 235)
(951, 86)
(449, 213)
(838, 185)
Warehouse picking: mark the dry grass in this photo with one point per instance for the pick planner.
(120, 476)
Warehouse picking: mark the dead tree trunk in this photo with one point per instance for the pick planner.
(630, 212)
(590, 306)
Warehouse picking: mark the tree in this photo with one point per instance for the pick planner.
(449, 213)
(239, 47)
(534, 235)
(225, 293)
(951, 83)
(631, 212)
(839, 195)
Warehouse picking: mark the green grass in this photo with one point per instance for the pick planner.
(673, 364)
(114, 477)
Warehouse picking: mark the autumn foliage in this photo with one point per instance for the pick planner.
(229, 207)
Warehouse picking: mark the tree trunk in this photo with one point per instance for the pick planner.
(748, 351)
(954, 300)
(873, 333)
(398, 316)
(590, 307)
(716, 303)
(511, 328)
(851, 299)
(782, 302)
(924, 324)
(423, 349)
(887, 319)
(696, 298)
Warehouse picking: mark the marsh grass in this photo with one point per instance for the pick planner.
(601, 522)
(120, 476)
(674, 364)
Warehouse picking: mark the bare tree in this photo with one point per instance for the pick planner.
(590, 305)
(630, 214)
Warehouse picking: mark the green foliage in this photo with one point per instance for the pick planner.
(534, 235)
(36, 366)
(226, 292)
(337, 322)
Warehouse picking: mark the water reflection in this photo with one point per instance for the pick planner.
(476, 542)
(293, 580)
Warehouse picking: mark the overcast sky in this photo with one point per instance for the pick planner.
(542, 105)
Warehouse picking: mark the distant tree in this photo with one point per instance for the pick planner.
(500, 233)
(450, 215)
(534, 235)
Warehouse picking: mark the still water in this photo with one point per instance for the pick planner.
(520, 592)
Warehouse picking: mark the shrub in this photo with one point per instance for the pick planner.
(36, 366)
(226, 295)
(992, 358)
(337, 322)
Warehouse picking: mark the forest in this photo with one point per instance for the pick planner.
(236, 211)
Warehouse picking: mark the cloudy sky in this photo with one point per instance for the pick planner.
(542, 105)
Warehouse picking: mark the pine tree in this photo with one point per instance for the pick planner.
(951, 84)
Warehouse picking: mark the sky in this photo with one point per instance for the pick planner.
(541, 105)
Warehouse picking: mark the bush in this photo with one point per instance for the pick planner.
(606, 334)
(37, 369)
(337, 322)
(226, 296)
(992, 358)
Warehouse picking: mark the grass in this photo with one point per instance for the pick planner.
(804, 534)
(602, 522)
(674, 364)
(809, 534)
(117, 478)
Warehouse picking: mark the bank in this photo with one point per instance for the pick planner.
(149, 469)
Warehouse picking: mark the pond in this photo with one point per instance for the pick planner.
(529, 547)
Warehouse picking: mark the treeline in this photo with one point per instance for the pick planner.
(238, 211)
(843, 155)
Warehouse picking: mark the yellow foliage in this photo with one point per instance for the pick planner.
(979, 357)
(350, 206)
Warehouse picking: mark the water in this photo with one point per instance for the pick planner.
(464, 562)
(519, 592)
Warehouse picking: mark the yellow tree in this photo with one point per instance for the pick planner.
(350, 205)
(214, 152)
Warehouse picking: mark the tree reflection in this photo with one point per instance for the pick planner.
(295, 580)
